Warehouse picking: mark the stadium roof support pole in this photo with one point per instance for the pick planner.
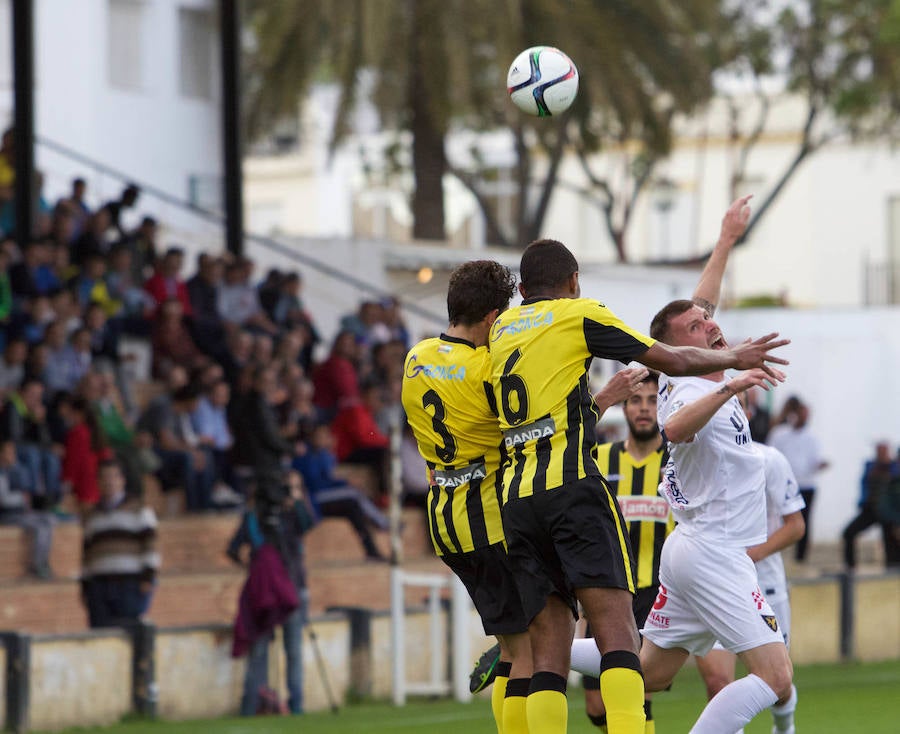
(23, 86)
(229, 35)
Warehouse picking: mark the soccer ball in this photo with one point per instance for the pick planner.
(542, 81)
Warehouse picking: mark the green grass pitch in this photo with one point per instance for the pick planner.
(833, 699)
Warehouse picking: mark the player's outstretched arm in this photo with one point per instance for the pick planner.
(734, 223)
(683, 424)
(677, 361)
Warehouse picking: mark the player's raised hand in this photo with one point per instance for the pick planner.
(765, 378)
(757, 352)
(735, 220)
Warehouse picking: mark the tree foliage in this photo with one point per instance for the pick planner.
(842, 57)
(441, 64)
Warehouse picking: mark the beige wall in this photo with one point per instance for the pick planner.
(195, 674)
(877, 619)
(815, 623)
(333, 636)
(197, 677)
(84, 681)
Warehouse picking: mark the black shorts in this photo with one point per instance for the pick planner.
(568, 538)
(643, 603)
(488, 577)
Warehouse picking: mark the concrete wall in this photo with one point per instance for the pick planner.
(876, 617)
(84, 681)
(196, 675)
(815, 622)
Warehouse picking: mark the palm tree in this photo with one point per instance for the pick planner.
(443, 63)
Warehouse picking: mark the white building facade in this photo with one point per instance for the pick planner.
(131, 84)
(834, 227)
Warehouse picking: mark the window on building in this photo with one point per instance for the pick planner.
(125, 41)
(196, 49)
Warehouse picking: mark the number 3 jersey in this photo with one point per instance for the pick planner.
(714, 483)
(540, 355)
(447, 399)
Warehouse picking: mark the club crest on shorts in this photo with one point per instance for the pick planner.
(770, 620)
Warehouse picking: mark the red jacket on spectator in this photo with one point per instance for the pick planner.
(334, 380)
(80, 464)
(354, 428)
(162, 289)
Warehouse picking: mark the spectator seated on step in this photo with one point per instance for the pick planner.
(238, 300)
(23, 420)
(167, 283)
(15, 509)
(184, 462)
(210, 421)
(334, 497)
(358, 438)
(172, 342)
(203, 290)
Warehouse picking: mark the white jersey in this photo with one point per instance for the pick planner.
(715, 482)
(802, 450)
(782, 498)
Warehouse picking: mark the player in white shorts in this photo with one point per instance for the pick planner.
(784, 524)
(714, 482)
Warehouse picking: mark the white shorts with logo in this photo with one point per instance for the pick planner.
(708, 592)
(781, 603)
(782, 606)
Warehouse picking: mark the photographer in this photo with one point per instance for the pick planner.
(275, 592)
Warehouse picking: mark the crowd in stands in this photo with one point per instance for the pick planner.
(240, 394)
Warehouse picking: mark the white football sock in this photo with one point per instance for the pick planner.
(585, 657)
(735, 705)
(784, 714)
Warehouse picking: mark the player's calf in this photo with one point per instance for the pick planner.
(660, 665)
(772, 664)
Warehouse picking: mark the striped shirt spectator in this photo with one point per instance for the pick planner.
(120, 560)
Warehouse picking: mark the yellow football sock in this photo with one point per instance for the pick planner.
(546, 706)
(498, 696)
(514, 717)
(649, 725)
(622, 687)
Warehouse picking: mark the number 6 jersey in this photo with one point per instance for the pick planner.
(540, 355)
(448, 402)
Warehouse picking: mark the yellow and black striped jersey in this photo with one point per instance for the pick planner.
(540, 355)
(646, 513)
(448, 402)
